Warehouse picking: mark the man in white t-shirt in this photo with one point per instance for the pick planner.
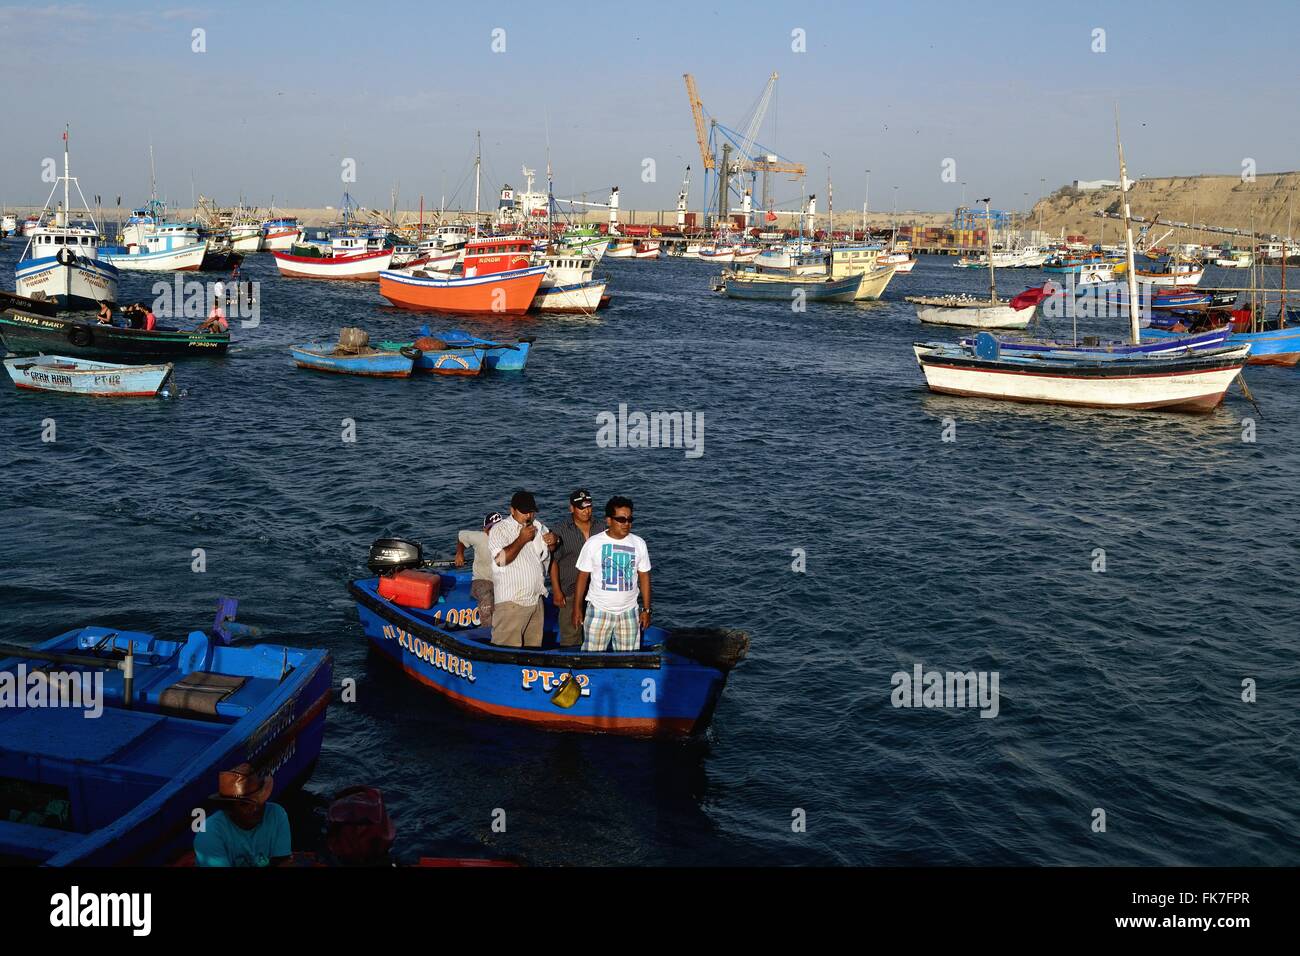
(521, 554)
(613, 570)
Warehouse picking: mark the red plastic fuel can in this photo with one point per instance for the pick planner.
(410, 588)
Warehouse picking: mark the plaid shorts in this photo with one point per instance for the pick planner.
(622, 626)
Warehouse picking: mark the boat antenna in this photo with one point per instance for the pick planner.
(988, 243)
(1135, 331)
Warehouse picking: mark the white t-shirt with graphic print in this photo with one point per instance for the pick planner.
(613, 566)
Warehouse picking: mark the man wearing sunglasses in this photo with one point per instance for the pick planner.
(613, 571)
(520, 547)
(573, 533)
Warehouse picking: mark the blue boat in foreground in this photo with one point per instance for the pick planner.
(121, 786)
(668, 688)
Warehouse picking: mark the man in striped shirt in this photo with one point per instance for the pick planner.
(521, 553)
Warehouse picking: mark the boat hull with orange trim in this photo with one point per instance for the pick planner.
(500, 293)
(360, 268)
(656, 691)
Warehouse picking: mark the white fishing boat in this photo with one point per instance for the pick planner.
(1126, 377)
(569, 284)
(246, 235)
(355, 268)
(1177, 274)
(1236, 259)
(621, 248)
(158, 247)
(968, 311)
(77, 376)
(1194, 381)
(718, 252)
(903, 262)
(649, 249)
(60, 262)
(279, 233)
(8, 226)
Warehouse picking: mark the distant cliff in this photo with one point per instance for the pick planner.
(1262, 205)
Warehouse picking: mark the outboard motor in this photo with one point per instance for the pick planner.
(390, 555)
(718, 647)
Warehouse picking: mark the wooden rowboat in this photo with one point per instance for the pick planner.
(375, 363)
(58, 373)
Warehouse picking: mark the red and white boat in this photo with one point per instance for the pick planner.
(646, 249)
(496, 275)
(354, 268)
(280, 233)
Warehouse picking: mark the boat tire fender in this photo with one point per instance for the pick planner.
(64, 256)
(80, 336)
(411, 352)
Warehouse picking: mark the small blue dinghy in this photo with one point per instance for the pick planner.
(113, 776)
(352, 355)
(501, 356)
(669, 687)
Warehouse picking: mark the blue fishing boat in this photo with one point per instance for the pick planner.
(352, 355)
(1091, 347)
(668, 688)
(1278, 345)
(122, 788)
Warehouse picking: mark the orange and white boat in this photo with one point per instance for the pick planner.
(496, 275)
(354, 268)
(646, 249)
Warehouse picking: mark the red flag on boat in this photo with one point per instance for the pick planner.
(771, 216)
(1029, 298)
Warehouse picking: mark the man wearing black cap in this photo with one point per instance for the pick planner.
(521, 555)
(573, 533)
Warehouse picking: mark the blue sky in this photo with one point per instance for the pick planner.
(1012, 92)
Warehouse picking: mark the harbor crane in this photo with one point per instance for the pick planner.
(752, 157)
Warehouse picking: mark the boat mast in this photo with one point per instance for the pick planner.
(988, 242)
(1286, 241)
(478, 165)
(1134, 325)
(66, 174)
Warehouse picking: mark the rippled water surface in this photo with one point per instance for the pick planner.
(1119, 690)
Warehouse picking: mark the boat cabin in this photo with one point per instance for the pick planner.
(497, 254)
(51, 240)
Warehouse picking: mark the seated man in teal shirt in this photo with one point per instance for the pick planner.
(247, 831)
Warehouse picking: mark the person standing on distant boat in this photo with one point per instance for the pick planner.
(573, 533)
(480, 587)
(613, 571)
(247, 831)
(521, 551)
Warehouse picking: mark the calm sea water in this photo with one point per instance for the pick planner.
(1119, 690)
